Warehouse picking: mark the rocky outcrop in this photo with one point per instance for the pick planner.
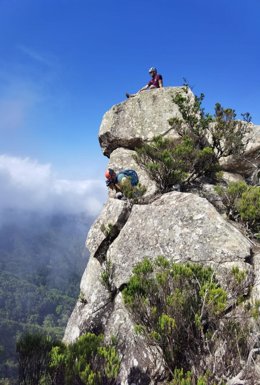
(180, 226)
(138, 119)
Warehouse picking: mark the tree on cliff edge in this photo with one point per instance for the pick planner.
(203, 140)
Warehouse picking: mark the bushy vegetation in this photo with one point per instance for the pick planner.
(87, 361)
(170, 162)
(186, 378)
(28, 307)
(181, 308)
(203, 140)
(33, 352)
(242, 204)
(107, 276)
(39, 279)
(133, 193)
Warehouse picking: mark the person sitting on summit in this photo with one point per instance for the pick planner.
(117, 182)
(155, 82)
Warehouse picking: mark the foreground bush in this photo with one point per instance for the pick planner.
(88, 361)
(181, 309)
(33, 357)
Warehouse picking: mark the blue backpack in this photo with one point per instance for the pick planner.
(130, 174)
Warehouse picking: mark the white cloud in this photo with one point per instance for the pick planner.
(17, 99)
(29, 185)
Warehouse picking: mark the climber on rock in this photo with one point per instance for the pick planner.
(123, 180)
(155, 82)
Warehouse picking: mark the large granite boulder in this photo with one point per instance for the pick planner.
(182, 227)
(139, 119)
(93, 305)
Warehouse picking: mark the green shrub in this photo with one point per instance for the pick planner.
(221, 132)
(33, 356)
(249, 208)
(170, 162)
(242, 204)
(133, 193)
(82, 298)
(186, 378)
(171, 303)
(231, 195)
(108, 229)
(228, 135)
(88, 361)
(107, 275)
(180, 307)
(203, 140)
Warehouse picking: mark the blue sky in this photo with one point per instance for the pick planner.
(64, 63)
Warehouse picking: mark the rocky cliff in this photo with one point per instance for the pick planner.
(180, 226)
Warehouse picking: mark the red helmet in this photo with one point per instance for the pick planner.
(110, 174)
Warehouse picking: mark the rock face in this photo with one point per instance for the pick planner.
(138, 119)
(180, 226)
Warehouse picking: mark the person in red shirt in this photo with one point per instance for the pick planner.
(155, 82)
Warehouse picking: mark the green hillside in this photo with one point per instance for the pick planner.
(41, 263)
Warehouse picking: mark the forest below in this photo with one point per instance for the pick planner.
(42, 259)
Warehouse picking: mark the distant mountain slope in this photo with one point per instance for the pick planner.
(41, 262)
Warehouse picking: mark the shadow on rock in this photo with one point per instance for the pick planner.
(138, 377)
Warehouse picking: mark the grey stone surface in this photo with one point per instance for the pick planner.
(180, 226)
(208, 191)
(232, 177)
(93, 306)
(256, 287)
(107, 225)
(138, 119)
(139, 357)
(254, 142)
